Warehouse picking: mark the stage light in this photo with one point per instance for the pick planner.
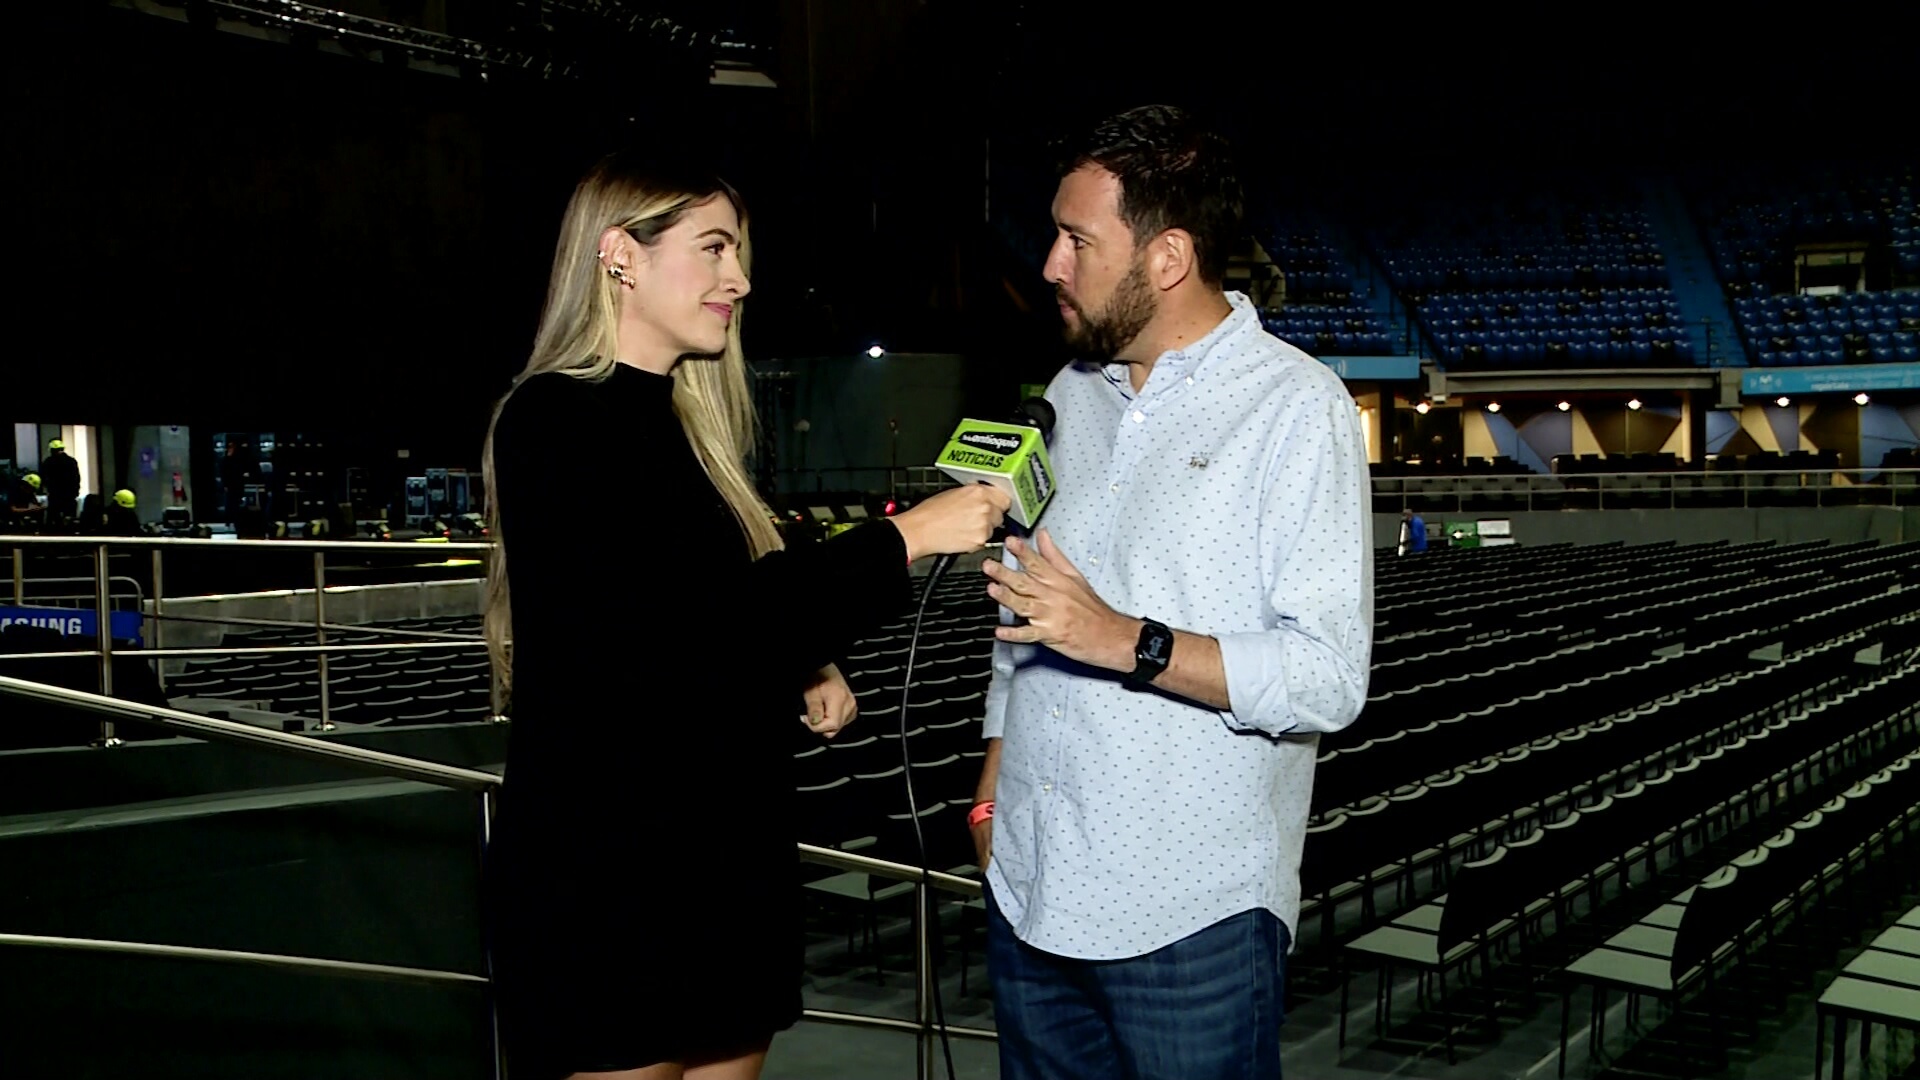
(1422, 408)
(1861, 398)
(890, 509)
(1493, 406)
(876, 351)
(1783, 401)
(1634, 404)
(1564, 406)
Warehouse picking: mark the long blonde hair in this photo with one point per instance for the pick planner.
(578, 335)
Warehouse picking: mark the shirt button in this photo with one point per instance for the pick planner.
(1139, 417)
(1189, 380)
(1095, 560)
(1046, 789)
(1115, 488)
(1056, 712)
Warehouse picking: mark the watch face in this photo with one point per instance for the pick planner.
(1157, 645)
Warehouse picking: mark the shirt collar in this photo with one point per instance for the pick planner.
(1191, 360)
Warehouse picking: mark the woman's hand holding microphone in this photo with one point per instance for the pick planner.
(954, 521)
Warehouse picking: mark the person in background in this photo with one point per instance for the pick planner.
(23, 502)
(1194, 611)
(62, 475)
(121, 517)
(1413, 532)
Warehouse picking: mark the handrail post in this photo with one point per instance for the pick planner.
(159, 601)
(19, 576)
(320, 628)
(923, 980)
(493, 996)
(103, 635)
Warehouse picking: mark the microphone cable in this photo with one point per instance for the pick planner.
(929, 911)
(1037, 413)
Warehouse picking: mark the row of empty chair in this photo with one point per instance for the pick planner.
(1540, 275)
(383, 686)
(1756, 221)
(1879, 986)
(1592, 327)
(1609, 842)
(1314, 266)
(1325, 311)
(1849, 328)
(1766, 890)
(1465, 726)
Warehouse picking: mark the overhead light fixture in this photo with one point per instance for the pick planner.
(876, 351)
(1564, 406)
(1783, 401)
(1861, 398)
(1422, 408)
(1493, 406)
(1634, 404)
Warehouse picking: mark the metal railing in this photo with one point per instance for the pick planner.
(924, 1026)
(133, 590)
(892, 479)
(1672, 490)
(99, 546)
(365, 762)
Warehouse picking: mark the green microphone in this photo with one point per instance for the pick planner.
(1011, 456)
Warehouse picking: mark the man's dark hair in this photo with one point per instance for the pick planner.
(1173, 173)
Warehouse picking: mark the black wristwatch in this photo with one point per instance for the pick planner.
(1151, 654)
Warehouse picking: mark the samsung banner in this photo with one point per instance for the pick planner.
(1837, 379)
(126, 624)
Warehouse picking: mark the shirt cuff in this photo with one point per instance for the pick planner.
(1255, 671)
(994, 723)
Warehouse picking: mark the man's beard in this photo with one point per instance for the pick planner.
(1128, 311)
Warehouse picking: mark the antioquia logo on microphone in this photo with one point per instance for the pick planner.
(988, 440)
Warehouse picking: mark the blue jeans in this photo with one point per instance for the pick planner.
(1207, 1007)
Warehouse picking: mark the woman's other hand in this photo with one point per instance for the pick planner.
(830, 702)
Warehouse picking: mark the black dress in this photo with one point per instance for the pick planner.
(641, 882)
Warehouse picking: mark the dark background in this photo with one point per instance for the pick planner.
(239, 234)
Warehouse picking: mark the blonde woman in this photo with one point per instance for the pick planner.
(641, 899)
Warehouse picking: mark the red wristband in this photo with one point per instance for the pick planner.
(981, 812)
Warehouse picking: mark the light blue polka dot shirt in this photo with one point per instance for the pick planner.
(1228, 498)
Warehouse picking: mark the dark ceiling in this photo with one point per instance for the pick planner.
(213, 229)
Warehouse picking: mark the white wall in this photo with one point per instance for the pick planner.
(26, 446)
